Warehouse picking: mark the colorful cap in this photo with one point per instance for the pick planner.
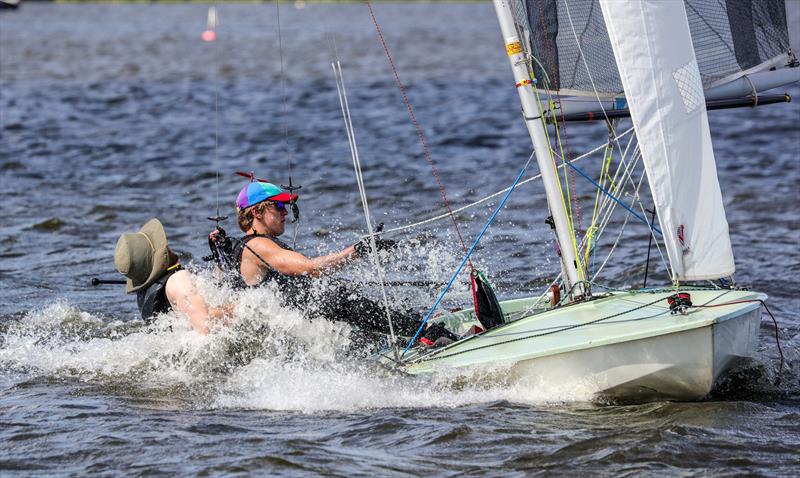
(256, 192)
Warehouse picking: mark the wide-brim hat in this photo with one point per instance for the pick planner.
(142, 256)
(257, 191)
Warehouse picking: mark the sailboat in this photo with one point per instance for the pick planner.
(664, 64)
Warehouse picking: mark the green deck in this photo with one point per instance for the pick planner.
(616, 317)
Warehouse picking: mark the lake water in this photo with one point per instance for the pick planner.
(107, 118)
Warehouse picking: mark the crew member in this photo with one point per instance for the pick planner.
(155, 275)
(262, 257)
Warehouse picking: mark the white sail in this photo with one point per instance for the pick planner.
(659, 73)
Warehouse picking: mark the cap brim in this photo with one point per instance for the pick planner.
(283, 197)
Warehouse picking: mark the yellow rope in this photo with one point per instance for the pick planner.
(570, 213)
(604, 173)
(561, 152)
(567, 208)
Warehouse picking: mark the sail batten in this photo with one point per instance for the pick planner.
(662, 82)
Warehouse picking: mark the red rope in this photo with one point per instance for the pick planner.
(417, 127)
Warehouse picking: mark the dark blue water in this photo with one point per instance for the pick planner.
(107, 118)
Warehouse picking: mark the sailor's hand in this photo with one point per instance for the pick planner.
(221, 248)
(364, 246)
(218, 232)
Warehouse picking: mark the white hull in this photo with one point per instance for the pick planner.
(642, 352)
(679, 366)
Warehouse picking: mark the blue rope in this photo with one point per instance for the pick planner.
(601, 188)
(464, 261)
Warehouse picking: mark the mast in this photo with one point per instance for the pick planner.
(536, 128)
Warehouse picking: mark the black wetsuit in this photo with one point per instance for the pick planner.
(152, 300)
(336, 302)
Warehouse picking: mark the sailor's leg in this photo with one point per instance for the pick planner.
(349, 306)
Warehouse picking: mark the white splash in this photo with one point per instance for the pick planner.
(267, 356)
(60, 340)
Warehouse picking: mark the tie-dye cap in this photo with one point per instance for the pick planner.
(256, 192)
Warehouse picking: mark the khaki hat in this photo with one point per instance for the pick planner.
(143, 256)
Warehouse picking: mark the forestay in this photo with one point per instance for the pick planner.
(658, 69)
(730, 38)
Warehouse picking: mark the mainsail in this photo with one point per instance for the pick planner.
(730, 38)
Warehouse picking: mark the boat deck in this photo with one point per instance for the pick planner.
(615, 318)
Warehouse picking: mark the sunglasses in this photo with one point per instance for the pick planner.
(281, 207)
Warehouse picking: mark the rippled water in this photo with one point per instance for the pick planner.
(107, 118)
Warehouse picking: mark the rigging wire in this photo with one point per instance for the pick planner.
(627, 217)
(592, 229)
(609, 123)
(210, 36)
(627, 177)
(498, 193)
(291, 187)
(608, 206)
(469, 252)
(606, 210)
(417, 127)
(565, 203)
(563, 123)
(351, 137)
(586, 65)
(614, 198)
(216, 114)
(619, 234)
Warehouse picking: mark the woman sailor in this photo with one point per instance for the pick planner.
(261, 257)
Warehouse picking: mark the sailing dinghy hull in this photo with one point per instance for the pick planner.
(679, 366)
(638, 351)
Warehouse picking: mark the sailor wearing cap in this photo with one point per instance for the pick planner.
(260, 257)
(261, 213)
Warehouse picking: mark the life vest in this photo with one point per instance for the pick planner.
(153, 300)
(338, 301)
(293, 288)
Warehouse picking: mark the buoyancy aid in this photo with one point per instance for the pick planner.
(293, 288)
(336, 302)
(153, 300)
